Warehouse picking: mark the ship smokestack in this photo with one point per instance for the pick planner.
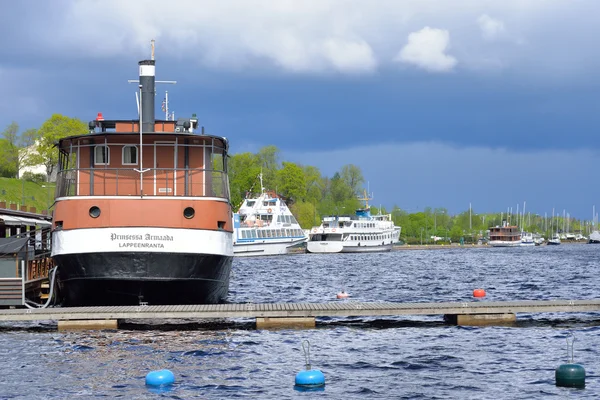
(147, 81)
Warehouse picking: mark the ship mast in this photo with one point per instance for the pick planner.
(366, 199)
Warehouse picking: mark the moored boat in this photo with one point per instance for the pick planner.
(594, 238)
(264, 225)
(505, 236)
(359, 233)
(142, 211)
(527, 239)
(554, 241)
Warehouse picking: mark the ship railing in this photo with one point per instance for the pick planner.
(255, 224)
(153, 182)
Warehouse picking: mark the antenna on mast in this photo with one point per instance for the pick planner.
(147, 70)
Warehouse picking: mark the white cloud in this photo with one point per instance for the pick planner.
(490, 28)
(316, 36)
(427, 49)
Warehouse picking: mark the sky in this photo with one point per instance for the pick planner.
(440, 103)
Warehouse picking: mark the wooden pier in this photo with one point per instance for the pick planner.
(269, 315)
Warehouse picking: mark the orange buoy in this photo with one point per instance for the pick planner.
(478, 293)
(342, 295)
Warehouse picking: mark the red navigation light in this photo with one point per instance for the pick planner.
(99, 117)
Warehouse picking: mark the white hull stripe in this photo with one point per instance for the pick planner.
(155, 240)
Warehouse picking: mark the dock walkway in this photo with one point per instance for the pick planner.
(283, 311)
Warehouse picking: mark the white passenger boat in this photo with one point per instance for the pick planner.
(264, 225)
(527, 239)
(359, 233)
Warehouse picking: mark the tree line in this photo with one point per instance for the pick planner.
(308, 193)
(35, 146)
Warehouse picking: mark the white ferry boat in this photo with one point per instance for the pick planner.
(264, 225)
(527, 239)
(359, 233)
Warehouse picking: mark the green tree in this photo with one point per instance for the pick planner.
(314, 184)
(244, 169)
(16, 149)
(268, 158)
(305, 214)
(292, 182)
(52, 130)
(7, 169)
(456, 233)
(339, 189)
(353, 177)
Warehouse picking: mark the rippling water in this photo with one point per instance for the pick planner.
(410, 357)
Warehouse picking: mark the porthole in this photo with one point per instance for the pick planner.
(94, 212)
(189, 212)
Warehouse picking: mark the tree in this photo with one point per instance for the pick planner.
(243, 176)
(55, 128)
(314, 184)
(7, 169)
(305, 214)
(269, 162)
(353, 177)
(291, 180)
(339, 189)
(15, 151)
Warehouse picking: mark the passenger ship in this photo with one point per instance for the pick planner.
(142, 212)
(359, 233)
(505, 236)
(264, 225)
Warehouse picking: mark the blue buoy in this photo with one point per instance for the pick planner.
(570, 374)
(162, 377)
(309, 379)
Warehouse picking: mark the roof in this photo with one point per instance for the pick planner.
(12, 244)
(19, 221)
(112, 125)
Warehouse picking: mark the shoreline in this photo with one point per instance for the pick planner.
(465, 246)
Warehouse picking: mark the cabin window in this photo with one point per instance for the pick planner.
(101, 155)
(130, 155)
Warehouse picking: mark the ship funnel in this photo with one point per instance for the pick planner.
(147, 83)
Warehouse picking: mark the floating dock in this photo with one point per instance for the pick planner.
(276, 315)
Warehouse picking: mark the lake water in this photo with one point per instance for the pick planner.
(389, 358)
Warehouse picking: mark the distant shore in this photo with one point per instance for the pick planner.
(465, 246)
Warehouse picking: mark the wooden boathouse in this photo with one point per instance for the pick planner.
(24, 254)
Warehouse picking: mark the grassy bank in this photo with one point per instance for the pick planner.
(31, 194)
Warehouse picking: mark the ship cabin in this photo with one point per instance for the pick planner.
(115, 159)
(373, 222)
(505, 233)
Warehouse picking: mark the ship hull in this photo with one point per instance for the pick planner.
(504, 243)
(130, 266)
(341, 247)
(132, 278)
(265, 249)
